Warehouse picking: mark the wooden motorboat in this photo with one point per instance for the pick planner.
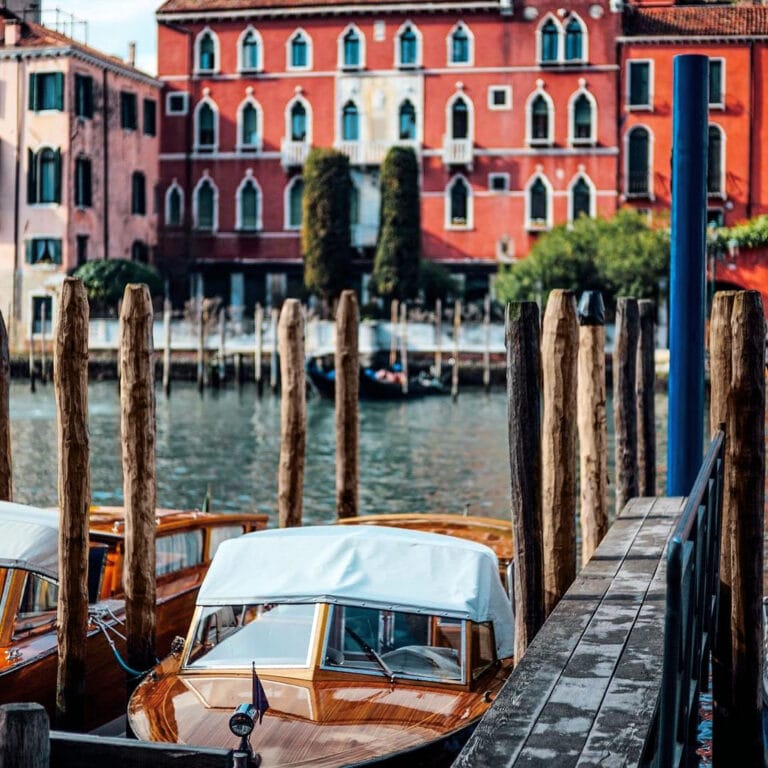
(186, 541)
(372, 645)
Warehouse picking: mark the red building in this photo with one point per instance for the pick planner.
(511, 110)
(734, 37)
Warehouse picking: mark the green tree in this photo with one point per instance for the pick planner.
(436, 282)
(398, 251)
(105, 281)
(621, 256)
(325, 225)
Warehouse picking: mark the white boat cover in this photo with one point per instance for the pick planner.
(29, 538)
(368, 566)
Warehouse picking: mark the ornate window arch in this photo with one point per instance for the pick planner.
(351, 48)
(540, 117)
(250, 50)
(174, 205)
(576, 40)
(549, 40)
(460, 117)
(407, 123)
(206, 52)
(459, 203)
(408, 46)
(716, 161)
(298, 50)
(44, 175)
(205, 204)
(292, 204)
(538, 202)
(582, 197)
(582, 116)
(350, 121)
(298, 120)
(250, 123)
(639, 153)
(206, 122)
(248, 204)
(461, 46)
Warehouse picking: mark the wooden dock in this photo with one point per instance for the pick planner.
(586, 690)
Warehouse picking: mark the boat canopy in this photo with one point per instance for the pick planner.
(367, 566)
(29, 538)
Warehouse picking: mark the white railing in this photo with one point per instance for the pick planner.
(457, 151)
(371, 152)
(293, 153)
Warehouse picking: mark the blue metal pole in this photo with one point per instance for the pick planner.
(685, 426)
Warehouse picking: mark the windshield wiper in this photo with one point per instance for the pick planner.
(370, 653)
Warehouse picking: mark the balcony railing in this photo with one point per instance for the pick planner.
(638, 183)
(293, 153)
(457, 151)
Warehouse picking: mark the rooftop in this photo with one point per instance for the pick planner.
(697, 21)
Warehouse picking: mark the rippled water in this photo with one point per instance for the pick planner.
(425, 455)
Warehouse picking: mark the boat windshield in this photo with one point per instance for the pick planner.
(234, 636)
(410, 645)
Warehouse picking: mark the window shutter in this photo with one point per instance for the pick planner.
(55, 248)
(58, 86)
(31, 177)
(89, 97)
(57, 176)
(33, 91)
(28, 251)
(87, 196)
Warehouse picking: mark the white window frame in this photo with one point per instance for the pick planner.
(460, 25)
(651, 142)
(259, 41)
(500, 175)
(241, 146)
(176, 112)
(206, 148)
(340, 123)
(529, 140)
(249, 178)
(419, 46)
(592, 195)
(470, 221)
(584, 39)
(289, 44)
(651, 78)
(195, 212)
(216, 53)
(174, 186)
(721, 195)
(470, 116)
(572, 140)
(287, 205)
(721, 104)
(560, 41)
(340, 48)
(308, 108)
(530, 225)
(507, 89)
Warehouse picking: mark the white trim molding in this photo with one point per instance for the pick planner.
(203, 180)
(197, 69)
(249, 179)
(469, 221)
(289, 66)
(460, 26)
(241, 67)
(538, 225)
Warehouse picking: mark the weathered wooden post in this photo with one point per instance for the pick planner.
(293, 415)
(222, 361)
(237, 359)
(24, 736)
(524, 421)
(404, 344)
(438, 338)
(347, 400)
(746, 492)
(274, 318)
(71, 395)
(456, 341)
(6, 473)
(167, 347)
(624, 405)
(592, 423)
(137, 425)
(559, 348)
(720, 351)
(258, 325)
(646, 389)
(43, 360)
(393, 312)
(200, 346)
(32, 353)
(487, 343)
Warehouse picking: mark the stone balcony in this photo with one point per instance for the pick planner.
(293, 153)
(457, 151)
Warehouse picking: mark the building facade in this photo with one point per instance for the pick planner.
(511, 111)
(79, 159)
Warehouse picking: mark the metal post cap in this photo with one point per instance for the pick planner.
(591, 309)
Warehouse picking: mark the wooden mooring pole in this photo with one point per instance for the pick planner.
(487, 343)
(524, 422)
(222, 356)
(393, 312)
(559, 349)
(404, 345)
(32, 353)
(456, 341)
(71, 395)
(6, 473)
(274, 318)
(293, 415)
(137, 423)
(43, 360)
(200, 346)
(645, 392)
(347, 403)
(167, 347)
(24, 736)
(720, 351)
(624, 403)
(438, 338)
(258, 326)
(592, 423)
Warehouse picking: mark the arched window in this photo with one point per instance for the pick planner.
(206, 206)
(44, 184)
(581, 199)
(460, 46)
(138, 194)
(407, 121)
(540, 119)
(206, 127)
(537, 195)
(250, 52)
(550, 41)
(298, 122)
(639, 161)
(715, 161)
(408, 47)
(351, 45)
(206, 52)
(574, 44)
(582, 119)
(460, 119)
(174, 210)
(298, 53)
(350, 122)
(294, 202)
(249, 126)
(459, 198)
(248, 206)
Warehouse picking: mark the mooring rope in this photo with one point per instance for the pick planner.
(97, 618)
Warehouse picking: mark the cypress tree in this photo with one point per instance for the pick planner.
(398, 251)
(325, 225)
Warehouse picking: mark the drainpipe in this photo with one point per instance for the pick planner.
(105, 129)
(750, 149)
(16, 299)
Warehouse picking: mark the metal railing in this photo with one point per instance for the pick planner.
(693, 579)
